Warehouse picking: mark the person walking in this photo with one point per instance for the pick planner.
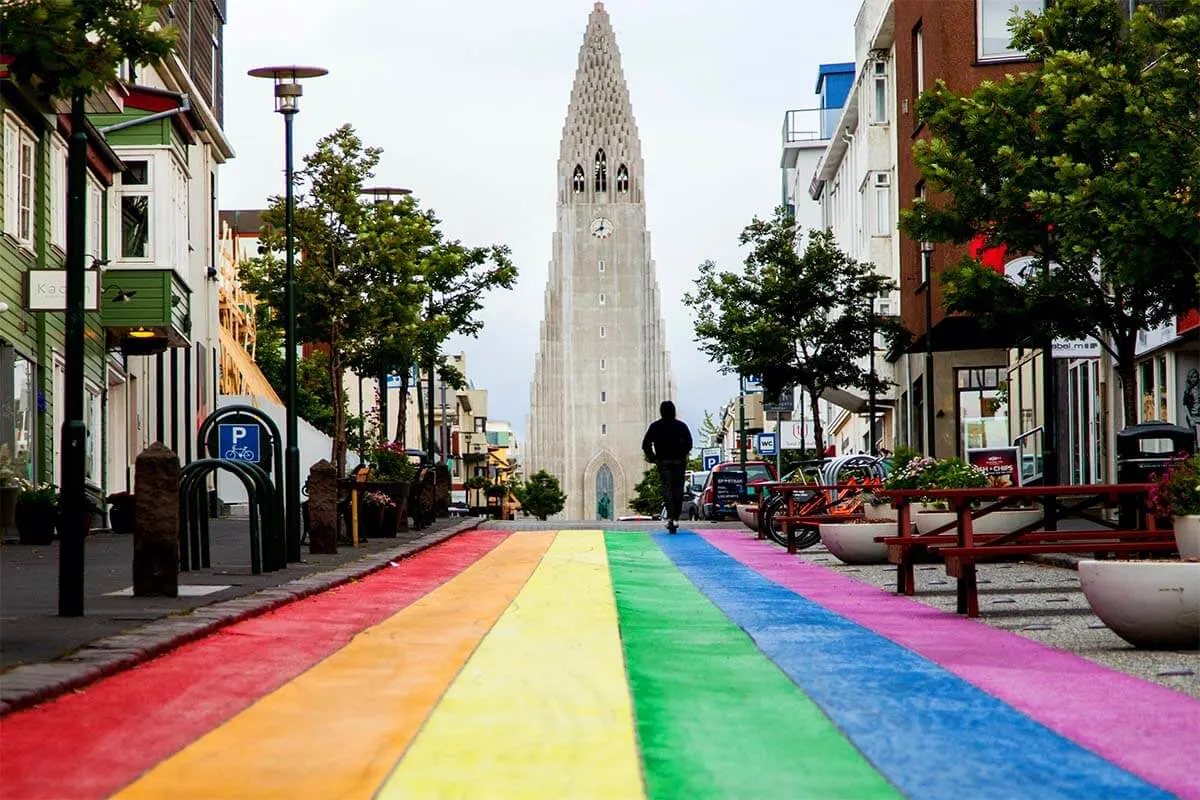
(668, 444)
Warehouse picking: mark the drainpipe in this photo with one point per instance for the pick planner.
(184, 106)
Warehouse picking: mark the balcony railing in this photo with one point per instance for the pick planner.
(809, 124)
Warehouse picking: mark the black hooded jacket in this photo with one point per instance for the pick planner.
(667, 439)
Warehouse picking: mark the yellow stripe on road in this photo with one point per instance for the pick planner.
(337, 730)
(542, 709)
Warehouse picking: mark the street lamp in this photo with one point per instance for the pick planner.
(384, 194)
(927, 283)
(871, 385)
(287, 102)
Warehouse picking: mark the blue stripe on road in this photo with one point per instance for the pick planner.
(930, 732)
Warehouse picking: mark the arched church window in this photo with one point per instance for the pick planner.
(601, 171)
(622, 178)
(577, 180)
(604, 492)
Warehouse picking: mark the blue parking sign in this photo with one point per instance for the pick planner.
(710, 458)
(239, 442)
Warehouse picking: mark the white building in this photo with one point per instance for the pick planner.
(602, 366)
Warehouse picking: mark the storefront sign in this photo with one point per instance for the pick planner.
(1002, 464)
(1076, 348)
(47, 290)
(796, 436)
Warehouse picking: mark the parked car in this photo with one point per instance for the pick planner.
(756, 472)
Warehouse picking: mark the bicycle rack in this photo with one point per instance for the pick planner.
(267, 553)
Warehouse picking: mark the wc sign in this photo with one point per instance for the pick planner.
(239, 442)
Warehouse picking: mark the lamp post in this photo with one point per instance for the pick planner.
(871, 385)
(287, 102)
(927, 283)
(384, 194)
(742, 429)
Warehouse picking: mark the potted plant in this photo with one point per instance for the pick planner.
(391, 472)
(372, 506)
(120, 514)
(1176, 494)
(12, 481)
(37, 513)
(944, 473)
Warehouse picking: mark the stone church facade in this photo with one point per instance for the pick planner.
(602, 366)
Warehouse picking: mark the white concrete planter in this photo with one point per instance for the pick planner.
(997, 522)
(881, 512)
(1150, 604)
(855, 543)
(748, 514)
(1187, 536)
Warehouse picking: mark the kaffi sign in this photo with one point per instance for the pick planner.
(46, 290)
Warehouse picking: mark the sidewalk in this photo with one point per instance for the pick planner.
(43, 655)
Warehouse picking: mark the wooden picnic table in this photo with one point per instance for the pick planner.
(963, 547)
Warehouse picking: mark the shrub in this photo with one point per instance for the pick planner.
(390, 462)
(1176, 493)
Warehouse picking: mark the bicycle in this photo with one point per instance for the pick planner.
(844, 480)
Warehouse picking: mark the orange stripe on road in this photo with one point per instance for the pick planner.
(338, 729)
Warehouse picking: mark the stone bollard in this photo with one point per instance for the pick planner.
(322, 508)
(156, 523)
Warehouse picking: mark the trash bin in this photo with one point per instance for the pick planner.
(1143, 451)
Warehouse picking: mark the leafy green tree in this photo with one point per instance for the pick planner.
(1087, 161)
(710, 431)
(795, 317)
(648, 493)
(541, 495)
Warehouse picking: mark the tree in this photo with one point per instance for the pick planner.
(648, 493)
(541, 495)
(797, 318)
(1088, 163)
(710, 431)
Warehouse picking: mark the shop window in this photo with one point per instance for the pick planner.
(1153, 390)
(17, 411)
(982, 406)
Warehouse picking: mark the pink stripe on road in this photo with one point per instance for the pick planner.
(1147, 729)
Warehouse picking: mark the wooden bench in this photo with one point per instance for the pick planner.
(966, 548)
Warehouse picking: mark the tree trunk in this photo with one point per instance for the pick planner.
(1127, 372)
(338, 390)
(818, 431)
(402, 408)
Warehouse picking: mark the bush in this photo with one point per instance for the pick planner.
(1176, 493)
(390, 462)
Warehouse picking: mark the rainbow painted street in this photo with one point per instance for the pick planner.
(586, 664)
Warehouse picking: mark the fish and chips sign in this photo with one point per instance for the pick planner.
(1002, 464)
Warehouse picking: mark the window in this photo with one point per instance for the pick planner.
(982, 407)
(91, 418)
(577, 180)
(918, 415)
(918, 48)
(622, 179)
(881, 189)
(58, 192)
(603, 365)
(992, 16)
(602, 265)
(601, 171)
(17, 410)
(603, 397)
(214, 67)
(602, 298)
(480, 424)
(604, 429)
(603, 332)
(179, 210)
(135, 210)
(95, 215)
(879, 94)
(19, 164)
(1153, 390)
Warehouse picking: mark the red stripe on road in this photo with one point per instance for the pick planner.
(93, 742)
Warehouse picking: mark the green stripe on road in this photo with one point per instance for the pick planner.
(715, 717)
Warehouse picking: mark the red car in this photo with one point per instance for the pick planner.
(756, 472)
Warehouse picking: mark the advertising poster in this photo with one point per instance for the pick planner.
(1002, 464)
(728, 486)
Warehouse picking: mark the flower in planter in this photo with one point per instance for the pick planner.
(378, 499)
(390, 462)
(42, 496)
(1176, 493)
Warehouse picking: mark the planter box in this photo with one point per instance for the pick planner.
(395, 519)
(748, 514)
(997, 522)
(880, 513)
(1150, 604)
(854, 543)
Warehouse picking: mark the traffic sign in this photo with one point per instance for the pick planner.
(766, 444)
(782, 403)
(240, 442)
(752, 383)
(710, 457)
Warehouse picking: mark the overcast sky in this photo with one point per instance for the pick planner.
(468, 97)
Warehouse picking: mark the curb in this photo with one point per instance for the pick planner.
(31, 684)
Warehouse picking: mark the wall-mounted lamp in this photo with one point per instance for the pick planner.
(142, 333)
(121, 296)
(100, 262)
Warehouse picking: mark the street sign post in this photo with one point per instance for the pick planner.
(710, 457)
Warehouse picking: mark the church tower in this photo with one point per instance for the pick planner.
(602, 366)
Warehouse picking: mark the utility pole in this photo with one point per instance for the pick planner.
(445, 424)
(871, 387)
(742, 428)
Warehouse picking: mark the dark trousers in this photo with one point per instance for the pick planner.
(671, 473)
